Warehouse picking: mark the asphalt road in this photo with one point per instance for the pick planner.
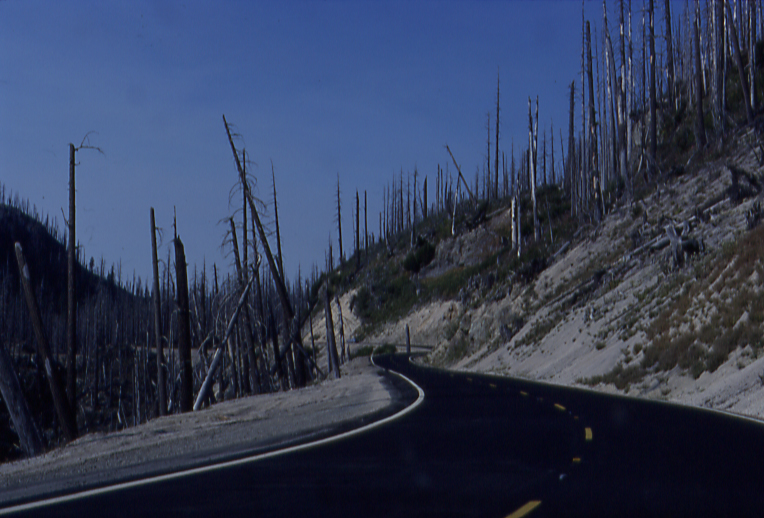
(481, 446)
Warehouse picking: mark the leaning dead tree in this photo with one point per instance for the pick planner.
(293, 327)
(65, 413)
(461, 177)
(207, 384)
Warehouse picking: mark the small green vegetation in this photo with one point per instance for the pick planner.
(675, 341)
(365, 350)
(538, 331)
(385, 349)
(457, 350)
(622, 377)
(419, 257)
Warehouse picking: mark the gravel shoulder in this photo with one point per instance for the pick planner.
(224, 431)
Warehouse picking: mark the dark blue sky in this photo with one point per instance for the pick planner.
(358, 88)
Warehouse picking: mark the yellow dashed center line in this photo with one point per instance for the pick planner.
(559, 407)
(576, 460)
(523, 393)
(589, 436)
(525, 510)
(492, 385)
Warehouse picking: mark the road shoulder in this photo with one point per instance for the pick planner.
(226, 431)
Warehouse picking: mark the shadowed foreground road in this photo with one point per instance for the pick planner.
(483, 446)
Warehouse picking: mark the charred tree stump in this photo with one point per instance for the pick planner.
(184, 330)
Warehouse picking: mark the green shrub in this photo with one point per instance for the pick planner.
(622, 377)
(385, 349)
(366, 350)
(419, 258)
(363, 303)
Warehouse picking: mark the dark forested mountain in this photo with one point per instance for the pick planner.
(99, 294)
(46, 259)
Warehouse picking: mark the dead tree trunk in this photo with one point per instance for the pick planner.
(496, 144)
(424, 198)
(65, 413)
(312, 337)
(532, 163)
(669, 55)
(652, 166)
(593, 152)
(408, 340)
(254, 377)
(23, 422)
(260, 320)
(184, 330)
(752, 58)
(740, 68)
(357, 231)
(570, 165)
(339, 223)
(461, 177)
(629, 102)
(342, 329)
(161, 383)
(276, 220)
(204, 390)
(700, 124)
(331, 346)
(719, 72)
(71, 292)
(278, 280)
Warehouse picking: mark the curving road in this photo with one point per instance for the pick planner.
(477, 445)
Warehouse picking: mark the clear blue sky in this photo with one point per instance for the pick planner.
(359, 88)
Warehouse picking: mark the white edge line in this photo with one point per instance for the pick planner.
(222, 465)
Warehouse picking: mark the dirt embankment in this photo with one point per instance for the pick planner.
(615, 312)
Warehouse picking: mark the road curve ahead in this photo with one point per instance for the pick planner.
(481, 446)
